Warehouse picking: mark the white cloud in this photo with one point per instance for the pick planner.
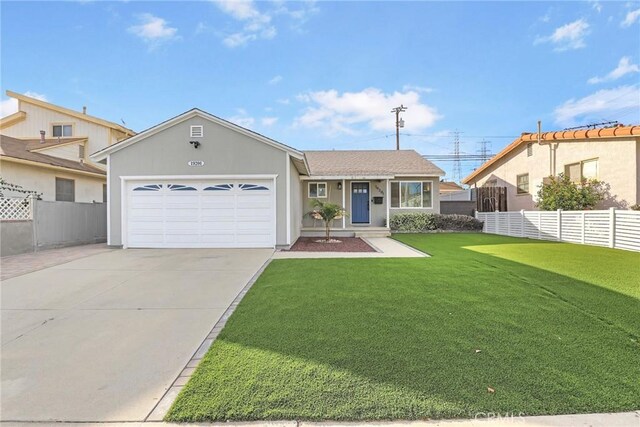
(242, 118)
(245, 122)
(605, 103)
(348, 112)
(257, 22)
(284, 101)
(632, 17)
(421, 89)
(567, 37)
(10, 106)
(153, 30)
(275, 80)
(269, 121)
(624, 67)
(596, 5)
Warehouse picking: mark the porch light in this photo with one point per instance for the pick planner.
(339, 186)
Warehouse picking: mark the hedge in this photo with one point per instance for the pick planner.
(419, 222)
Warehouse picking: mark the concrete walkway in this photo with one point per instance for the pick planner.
(623, 419)
(384, 246)
(102, 338)
(17, 265)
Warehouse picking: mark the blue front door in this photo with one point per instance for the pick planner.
(360, 203)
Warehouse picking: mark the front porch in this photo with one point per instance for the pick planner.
(347, 231)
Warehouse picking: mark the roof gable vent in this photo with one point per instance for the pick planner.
(197, 131)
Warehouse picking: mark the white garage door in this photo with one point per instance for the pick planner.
(200, 214)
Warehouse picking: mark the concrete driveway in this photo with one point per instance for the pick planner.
(103, 337)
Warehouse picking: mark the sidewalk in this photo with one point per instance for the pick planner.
(17, 265)
(622, 419)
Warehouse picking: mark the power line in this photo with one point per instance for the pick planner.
(457, 168)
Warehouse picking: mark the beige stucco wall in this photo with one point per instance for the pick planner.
(378, 213)
(88, 189)
(224, 151)
(39, 118)
(618, 166)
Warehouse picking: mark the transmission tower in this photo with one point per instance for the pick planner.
(484, 151)
(457, 167)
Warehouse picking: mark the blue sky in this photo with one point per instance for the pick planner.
(324, 75)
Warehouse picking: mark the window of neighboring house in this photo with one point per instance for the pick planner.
(197, 131)
(587, 169)
(104, 193)
(62, 130)
(523, 183)
(530, 149)
(317, 190)
(65, 190)
(411, 194)
(590, 169)
(572, 171)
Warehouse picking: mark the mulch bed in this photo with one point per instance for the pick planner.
(347, 244)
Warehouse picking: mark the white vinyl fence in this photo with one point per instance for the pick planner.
(612, 228)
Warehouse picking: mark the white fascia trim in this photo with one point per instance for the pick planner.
(409, 175)
(348, 177)
(108, 202)
(288, 196)
(100, 155)
(191, 177)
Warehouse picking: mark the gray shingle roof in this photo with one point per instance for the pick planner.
(17, 148)
(369, 162)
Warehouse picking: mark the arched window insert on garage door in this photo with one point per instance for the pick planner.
(246, 187)
(150, 187)
(219, 187)
(179, 187)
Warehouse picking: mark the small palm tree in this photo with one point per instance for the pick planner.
(326, 212)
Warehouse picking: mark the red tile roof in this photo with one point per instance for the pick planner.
(557, 136)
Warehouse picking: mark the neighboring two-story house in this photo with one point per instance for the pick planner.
(610, 154)
(45, 148)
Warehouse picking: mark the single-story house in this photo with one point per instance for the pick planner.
(199, 181)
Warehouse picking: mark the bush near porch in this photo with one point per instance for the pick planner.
(417, 222)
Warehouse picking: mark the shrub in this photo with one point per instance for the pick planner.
(562, 193)
(456, 222)
(635, 207)
(421, 221)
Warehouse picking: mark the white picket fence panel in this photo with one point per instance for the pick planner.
(16, 209)
(612, 228)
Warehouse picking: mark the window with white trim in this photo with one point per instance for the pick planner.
(317, 190)
(61, 130)
(411, 194)
(586, 169)
(522, 182)
(197, 131)
(530, 149)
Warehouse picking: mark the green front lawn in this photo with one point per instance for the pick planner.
(557, 326)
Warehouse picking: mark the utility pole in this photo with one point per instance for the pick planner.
(457, 168)
(399, 123)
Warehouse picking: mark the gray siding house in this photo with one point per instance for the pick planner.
(199, 181)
